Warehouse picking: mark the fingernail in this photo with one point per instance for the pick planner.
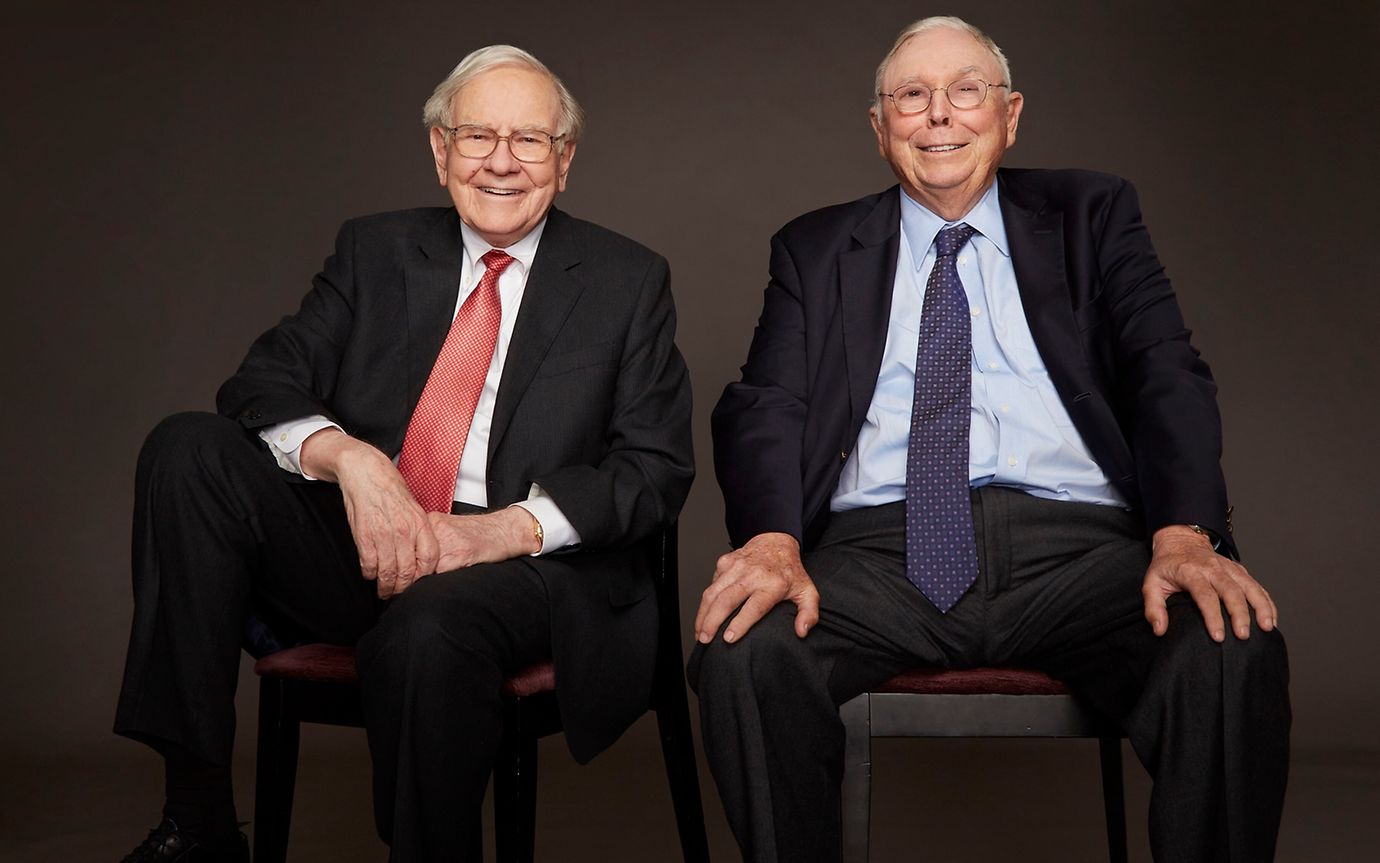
(702, 637)
(1218, 635)
(729, 636)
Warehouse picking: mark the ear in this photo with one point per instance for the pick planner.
(879, 130)
(1013, 116)
(563, 165)
(439, 151)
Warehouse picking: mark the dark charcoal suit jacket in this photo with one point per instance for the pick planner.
(593, 405)
(1100, 308)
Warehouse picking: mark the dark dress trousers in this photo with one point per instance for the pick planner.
(593, 406)
(1059, 584)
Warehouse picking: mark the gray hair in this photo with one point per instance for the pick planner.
(436, 112)
(936, 22)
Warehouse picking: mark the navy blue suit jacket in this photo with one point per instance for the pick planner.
(1100, 308)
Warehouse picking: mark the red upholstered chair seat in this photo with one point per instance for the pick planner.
(974, 681)
(330, 663)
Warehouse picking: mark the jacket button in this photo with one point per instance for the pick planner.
(843, 455)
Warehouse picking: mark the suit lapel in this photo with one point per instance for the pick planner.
(1036, 236)
(432, 279)
(867, 274)
(550, 293)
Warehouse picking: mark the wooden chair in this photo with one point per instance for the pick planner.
(978, 702)
(318, 683)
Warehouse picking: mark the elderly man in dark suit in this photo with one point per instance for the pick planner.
(971, 430)
(457, 454)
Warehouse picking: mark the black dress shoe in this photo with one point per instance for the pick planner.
(166, 844)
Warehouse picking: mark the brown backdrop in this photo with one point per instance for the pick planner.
(176, 175)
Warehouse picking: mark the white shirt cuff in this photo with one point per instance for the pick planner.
(557, 531)
(285, 440)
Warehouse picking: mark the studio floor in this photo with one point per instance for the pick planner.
(1037, 801)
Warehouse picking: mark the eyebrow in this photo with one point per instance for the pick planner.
(966, 70)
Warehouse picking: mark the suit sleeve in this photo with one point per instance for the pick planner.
(759, 422)
(1165, 393)
(291, 370)
(640, 483)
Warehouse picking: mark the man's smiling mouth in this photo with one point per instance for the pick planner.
(942, 148)
(503, 193)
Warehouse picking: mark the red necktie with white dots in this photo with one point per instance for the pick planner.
(440, 424)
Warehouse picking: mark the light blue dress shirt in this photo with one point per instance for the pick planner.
(1021, 435)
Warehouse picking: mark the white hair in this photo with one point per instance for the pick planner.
(436, 112)
(936, 22)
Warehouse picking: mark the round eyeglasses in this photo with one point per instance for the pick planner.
(526, 145)
(963, 94)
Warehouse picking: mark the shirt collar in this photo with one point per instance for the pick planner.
(523, 251)
(920, 226)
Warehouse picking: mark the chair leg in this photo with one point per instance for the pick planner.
(515, 790)
(275, 772)
(1113, 796)
(678, 750)
(857, 777)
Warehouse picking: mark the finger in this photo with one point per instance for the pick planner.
(1209, 603)
(806, 612)
(368, 558)
(754, 609)
(406, 566)
(428, 551)
(1266, 614)
(1238, 610)
(703, 632)
(715, 610)
(1156, 608)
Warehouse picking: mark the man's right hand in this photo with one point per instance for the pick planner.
(392, 533)
(765, 571)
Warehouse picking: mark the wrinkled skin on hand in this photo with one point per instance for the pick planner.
(1183, 560)
(767, 570)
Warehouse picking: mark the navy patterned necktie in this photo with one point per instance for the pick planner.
(941, 553)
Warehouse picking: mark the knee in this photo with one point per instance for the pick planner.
(181, 443)
(1261, 657)
(421, 631)
(768, 655)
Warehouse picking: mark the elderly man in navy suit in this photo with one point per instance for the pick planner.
(971, 430)
(459, 454)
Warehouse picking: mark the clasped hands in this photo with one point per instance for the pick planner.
(767, 570)
(399, 542)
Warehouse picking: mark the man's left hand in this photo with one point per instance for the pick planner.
(1183, 560)
(469, 539)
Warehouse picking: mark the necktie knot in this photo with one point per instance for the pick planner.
(950, 240)
(497, 260)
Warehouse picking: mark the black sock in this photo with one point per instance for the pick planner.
(200, 798)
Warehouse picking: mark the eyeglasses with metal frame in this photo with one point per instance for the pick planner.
(479, 142)
(964, 94)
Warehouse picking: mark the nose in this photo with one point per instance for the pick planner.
(501, 160)
(940, 111)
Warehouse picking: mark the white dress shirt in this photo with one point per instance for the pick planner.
(285, 439)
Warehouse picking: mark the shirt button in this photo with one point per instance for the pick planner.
(1011, 460)
(963, 260)
(1006, 409)
(976, 312)
(992, 365)
(282, 438)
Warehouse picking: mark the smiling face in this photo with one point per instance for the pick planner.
(946, 158)
(501, 198)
